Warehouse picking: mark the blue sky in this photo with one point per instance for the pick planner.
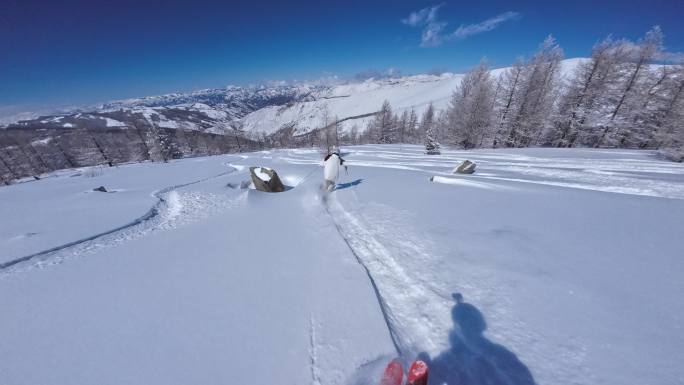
(56, 53)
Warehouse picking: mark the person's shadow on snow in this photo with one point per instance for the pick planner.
(472, 359)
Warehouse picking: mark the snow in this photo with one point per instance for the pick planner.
(113, 122)
(569, 259)
(167, 123)
(350, 101)
(261, 174)
(68, 196)
(209, 111)
(41, 142)
(357, 99)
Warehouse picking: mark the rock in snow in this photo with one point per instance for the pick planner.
(100, 189)
(266, 179)
(466, 167)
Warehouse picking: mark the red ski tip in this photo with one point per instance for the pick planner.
(418, 373)
(393, 375)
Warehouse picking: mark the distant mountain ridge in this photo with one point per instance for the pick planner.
(211, 110)
(265, 110)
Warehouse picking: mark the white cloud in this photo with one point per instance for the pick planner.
(432, 35)
(465, 31)
(433, 29)
(422, 17)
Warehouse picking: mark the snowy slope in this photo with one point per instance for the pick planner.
(356, 99)
(211, 110)
(206, 291)
(68, 195)
(267, 109)
(568, 262)
(348, 101)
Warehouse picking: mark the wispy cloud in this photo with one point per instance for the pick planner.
(465, 31)
(434, 34)
(422, 17)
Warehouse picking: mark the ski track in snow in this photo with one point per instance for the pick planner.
(399, 292)
(313, 354)
(624, 176)
(416, 310)
(396, 256)
(173, 209)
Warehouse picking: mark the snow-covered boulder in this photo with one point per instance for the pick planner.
(266, 179)
(466, 167)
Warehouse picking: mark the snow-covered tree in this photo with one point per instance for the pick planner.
(670, 128)
(583, 102)
(402, 126)
(328, 132)
(431, 144)
(536, 96)
(507, 101)
(654, 108)
(354, 134)
(626, 102)
(469, 116)
(383, 127)
(412, 127)
(427, 125)
(428, 119)
(386, 124)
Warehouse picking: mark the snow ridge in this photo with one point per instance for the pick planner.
(166, 214)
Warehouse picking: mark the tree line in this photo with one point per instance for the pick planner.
(32, 151)
(619, 97)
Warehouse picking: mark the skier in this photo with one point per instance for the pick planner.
(331, 170)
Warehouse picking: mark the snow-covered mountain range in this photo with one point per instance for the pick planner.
(212, 110)
(268, 109)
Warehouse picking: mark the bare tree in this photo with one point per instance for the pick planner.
(354, 134)
(325, 138)
(428, 119)
(6, 165)
(670, 128)
(536, 99)
(382, 129)
(619, 128)
(584, 97)
(402, 126)
(412, 127)
(510, 88)
(470, 114)
(337, 132)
